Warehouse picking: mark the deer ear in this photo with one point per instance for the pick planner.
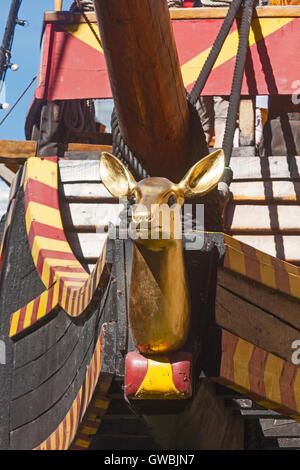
(115, 176)
(204, 175)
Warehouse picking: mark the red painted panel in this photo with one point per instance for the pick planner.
(71, 69)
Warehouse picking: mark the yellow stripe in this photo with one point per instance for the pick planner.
(44, 171)
(241, 359)
(68, 431)
(267, 271)
(42, 305)
(260, 28)
(272, 374)
(236, 258)
(74, 420)
(14, 323)
(55, 295)
(104, 386)
(86, 294)
(77, 284)
(81, 298)
(294, 282)
(88, 430)
(101, 404)
(28, 314)
(52, 263)
(84, 33)
(43, 214)
(53, 441)
(60, 436)
(75, 303)
(43, 243)
(82, 443)
(82, 275)
(64, 298)
(158, 380)
(297, 390)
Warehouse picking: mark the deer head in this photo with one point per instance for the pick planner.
(149, 196)
(159, 309)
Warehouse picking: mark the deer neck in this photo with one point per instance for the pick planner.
(159, 298)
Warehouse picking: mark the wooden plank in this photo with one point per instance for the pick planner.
(268, 191)
(258, 218)
(82, 191)
(6, 174)
(32, 374)
(254, 325)
(269, 300)
(34, 403)
(77, 147)
(159, 118)
(282, 428)
(182, 13)
(79, 171)
(285, 247)
(87, 245)
(90, 216)
(260, 414)
(210, 13)
(17, 151)
(265, 168)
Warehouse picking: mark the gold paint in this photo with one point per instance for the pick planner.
(159, 293)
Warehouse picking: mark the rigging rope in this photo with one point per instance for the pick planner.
(19, 99)
(215, 50)
(237, 86)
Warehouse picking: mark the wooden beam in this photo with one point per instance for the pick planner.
(265, 168)
(17, 151)
(146, 83)
(286, 247)
(6, 174)
(266, 191)
(181, 14)
(272, 301)
(245, 219)
(251, 323)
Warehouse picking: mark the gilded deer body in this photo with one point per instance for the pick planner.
(159, 307)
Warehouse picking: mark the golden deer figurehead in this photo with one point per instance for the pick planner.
(159, 304)
(148, 197)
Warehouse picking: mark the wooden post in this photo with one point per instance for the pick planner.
(247, 122)
(146, 82)
(58, 5)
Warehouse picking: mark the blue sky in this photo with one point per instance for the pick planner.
(25, 53)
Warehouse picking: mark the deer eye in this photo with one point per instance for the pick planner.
(132, 199)
(171, 200)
